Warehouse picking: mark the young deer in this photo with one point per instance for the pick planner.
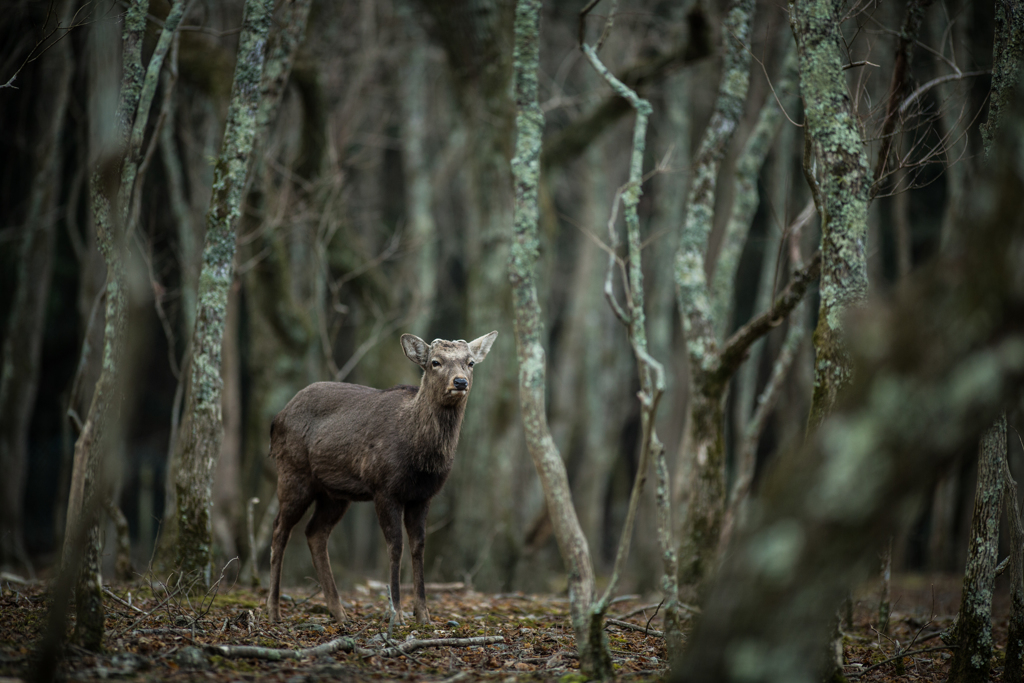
(336, 443)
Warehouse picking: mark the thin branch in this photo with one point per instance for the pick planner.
(734, 349)
(635, 627)
(922, 89)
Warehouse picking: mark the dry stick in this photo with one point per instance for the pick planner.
(636, 627)
(345, 644)
(121, 600)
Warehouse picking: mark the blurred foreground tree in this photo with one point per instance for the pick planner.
(931, 369)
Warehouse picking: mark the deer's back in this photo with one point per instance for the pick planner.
(348, 437)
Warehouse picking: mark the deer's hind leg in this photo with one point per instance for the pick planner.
(294, 499)
(326, 516)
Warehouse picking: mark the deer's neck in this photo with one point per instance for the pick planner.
(438, 428)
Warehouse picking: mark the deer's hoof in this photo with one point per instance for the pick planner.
(421, 614)
(395, 618)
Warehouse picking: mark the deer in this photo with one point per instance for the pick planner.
(337, 443)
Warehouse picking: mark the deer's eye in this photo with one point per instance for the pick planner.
(436, 363)
(471, 363)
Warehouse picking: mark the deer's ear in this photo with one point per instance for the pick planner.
(416, 349)
(480, 347)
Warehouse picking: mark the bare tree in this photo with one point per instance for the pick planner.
(202, 429)
(592, 644)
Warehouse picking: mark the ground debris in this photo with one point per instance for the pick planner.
(472, 637)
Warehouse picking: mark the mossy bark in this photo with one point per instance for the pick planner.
(745, 194)
(595, 659)
(202, 429)
(831, 127)
(99, 434)
(705, 442)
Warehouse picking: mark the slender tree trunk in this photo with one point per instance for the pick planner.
(100, 432)
(19, 374)
(705, 440)
(202, 430)
(595, 660)
(973, 630)
(831, 128)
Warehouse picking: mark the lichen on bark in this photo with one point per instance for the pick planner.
(831, 126)
(202, 429)
(592, 645)
(707, 388)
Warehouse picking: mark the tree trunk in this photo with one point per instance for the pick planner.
(831, 128)
(595, 659)
(202, 430)
(1014, 668)
(705, 440)
(100, 433)
(973, 631)
(19, 375)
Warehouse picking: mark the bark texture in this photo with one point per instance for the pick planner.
(705, 442)
(831, 127)
(592, 644)
(973, 631)
(202, 429)
(100, 431)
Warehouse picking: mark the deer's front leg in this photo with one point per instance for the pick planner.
(389, 515)
(416, 527)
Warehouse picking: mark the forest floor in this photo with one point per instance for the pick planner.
(156, 634)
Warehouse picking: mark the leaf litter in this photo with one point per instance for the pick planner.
(154, 633)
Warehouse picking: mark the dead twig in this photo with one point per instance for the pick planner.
(635, 627)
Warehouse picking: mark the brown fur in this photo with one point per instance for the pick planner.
(338, 443)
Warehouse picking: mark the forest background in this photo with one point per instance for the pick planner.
(380, 201)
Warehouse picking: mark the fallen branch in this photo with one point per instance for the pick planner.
(413, 645)
(635, 627)
(345, 644)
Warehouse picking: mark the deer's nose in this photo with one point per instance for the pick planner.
(460, 383)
